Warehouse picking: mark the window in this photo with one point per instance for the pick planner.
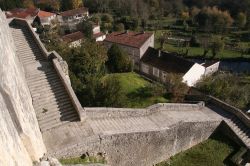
(145, 68)
(156, 72)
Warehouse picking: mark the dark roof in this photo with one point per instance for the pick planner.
(168, 62)
(74, 12)
(210, 63)
(22, 13)
(73, 37)
(132, 39)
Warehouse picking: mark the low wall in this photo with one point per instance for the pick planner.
(102, 112)
(144, 148)
(226, 107)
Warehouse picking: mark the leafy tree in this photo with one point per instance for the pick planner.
(118, 60)
(49, 5)
(76, 3)
(241, 20)
(96, 19)
(112, 94)
(233, 89)
(217, 45)
(211, 18)
(87, 28)
(28, 3)
(119, 27)
(205, 45)
(10, 4)
(176, 88)
(71, 4)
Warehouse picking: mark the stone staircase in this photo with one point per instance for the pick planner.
(50, 100)
(238, 127)
(242, 131)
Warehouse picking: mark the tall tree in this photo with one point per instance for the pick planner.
(118, 60)
(241, 20)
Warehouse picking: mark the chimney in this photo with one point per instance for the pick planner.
(159, 53)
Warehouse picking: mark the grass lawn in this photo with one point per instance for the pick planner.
(197, 51)
(215, 151)
(80, 160)
(137, 90)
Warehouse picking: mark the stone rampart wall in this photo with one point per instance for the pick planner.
(143, 148)
(20, 137)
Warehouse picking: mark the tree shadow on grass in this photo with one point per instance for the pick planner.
(221, 137)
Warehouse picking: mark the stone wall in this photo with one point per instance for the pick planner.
(144, 148)
(20, 138)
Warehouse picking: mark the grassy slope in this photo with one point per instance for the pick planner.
(215, 151)
(133, 86)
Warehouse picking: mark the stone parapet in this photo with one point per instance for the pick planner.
(104, 112)
(223, 105)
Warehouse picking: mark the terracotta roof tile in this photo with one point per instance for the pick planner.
(74, 12)
(168, 62)
(22, 13)
(42, 14)
(73, 37)
(132, 39)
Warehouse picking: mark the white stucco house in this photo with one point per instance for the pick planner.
(97, 34)
(74, 39)
(157, 65)
(46, 17)
(70, 19)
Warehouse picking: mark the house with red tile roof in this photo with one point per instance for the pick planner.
(135, 43)
(97, 34)
(28, 14)
(46, 17)
(74, 39)
(71, 18)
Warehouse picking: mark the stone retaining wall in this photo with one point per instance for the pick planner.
(144, 148)
(20, 137)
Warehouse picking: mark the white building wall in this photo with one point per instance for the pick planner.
(96, 29)
(194, 74)
(146, 45)
(212, 69)
(144, 68)
(101, 38)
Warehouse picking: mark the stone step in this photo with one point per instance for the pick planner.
(51, 111)
(56, 107)
(42, 75)
(50, 117)
(49, 97)
(54, 102)
(50, 78)
(36, 58)
(47, 91)
(44, 83)
(57, 123)
(55, 93)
